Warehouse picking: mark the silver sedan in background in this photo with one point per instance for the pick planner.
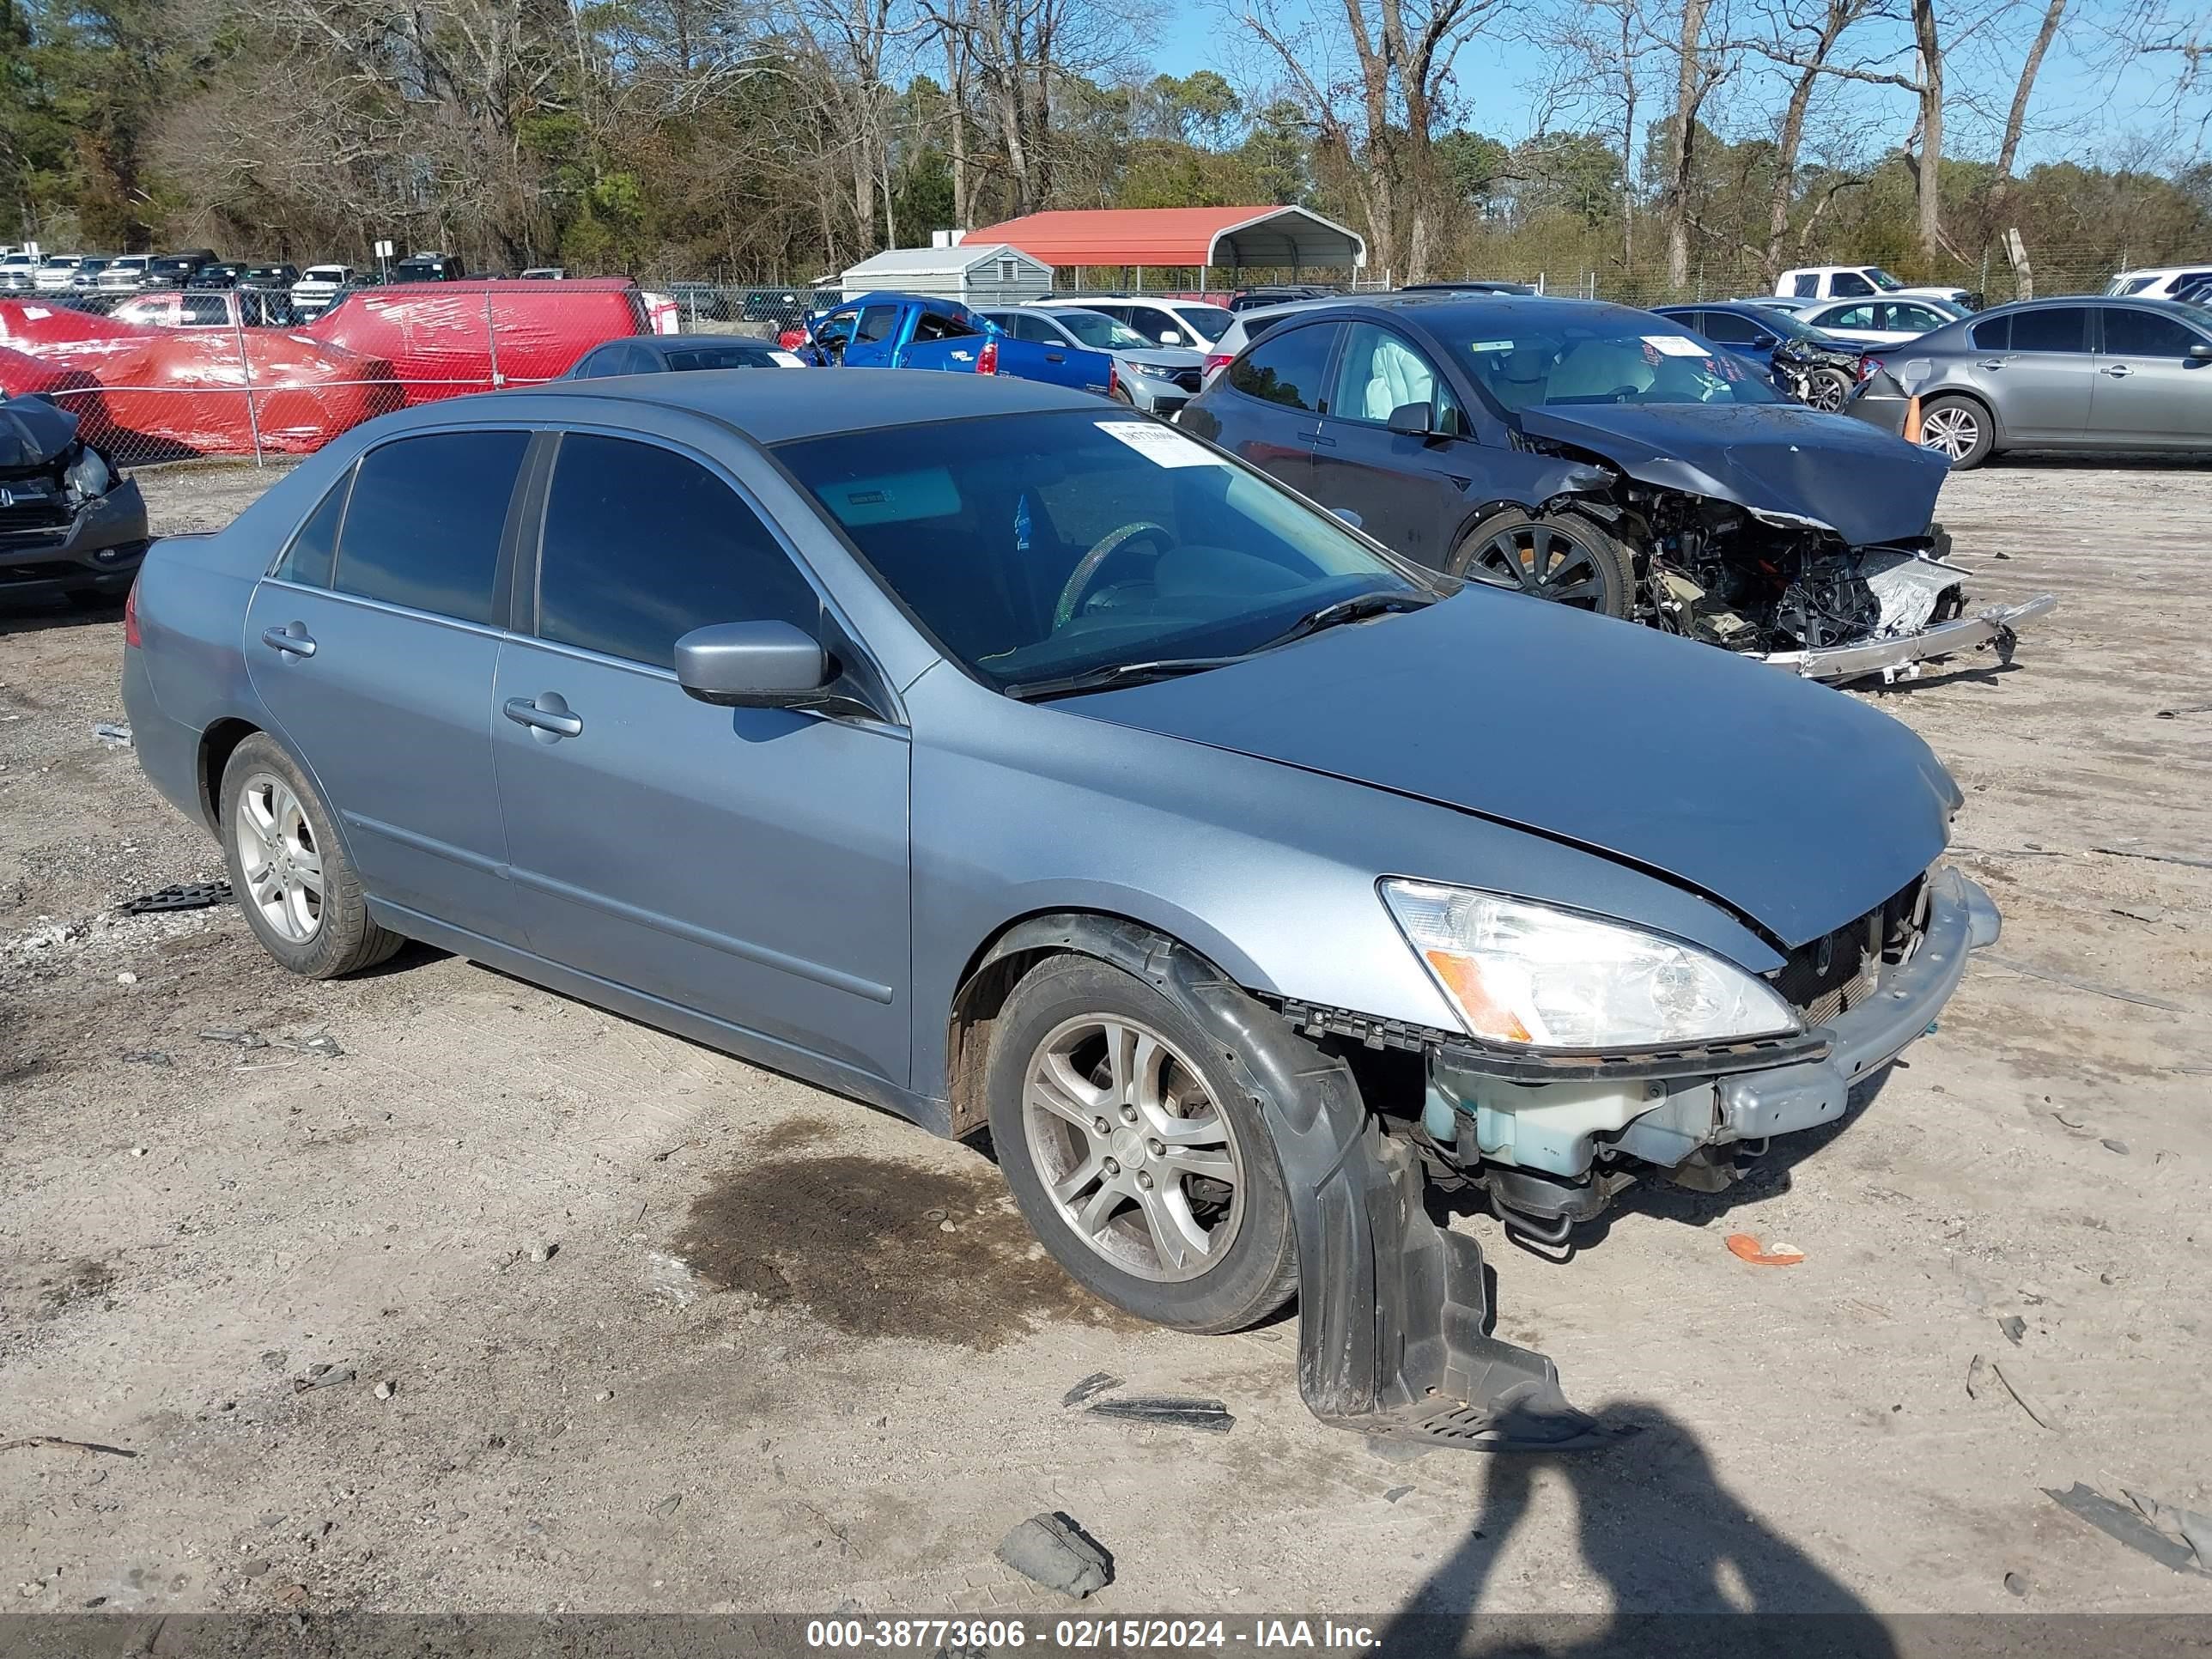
(2080, 374)
(1157, 379)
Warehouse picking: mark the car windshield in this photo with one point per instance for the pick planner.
(1042, 547)
(1210, 322)
(1601, 360)
(1096, 328)
(325, 274)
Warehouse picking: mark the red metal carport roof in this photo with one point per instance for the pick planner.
(1227, 236)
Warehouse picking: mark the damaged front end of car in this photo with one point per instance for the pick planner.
(1810, 548)
(70, 522)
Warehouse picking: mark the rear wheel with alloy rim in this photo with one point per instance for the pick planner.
(1557, 557)
(289, 871)
(1134, 1158)
(1827, 390)
(1958, 429)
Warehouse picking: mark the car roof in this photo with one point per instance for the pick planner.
(774, 407)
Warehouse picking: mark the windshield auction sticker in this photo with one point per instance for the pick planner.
(1162, 446)
(1678, 345)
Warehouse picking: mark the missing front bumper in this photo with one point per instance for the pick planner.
(1995, 625)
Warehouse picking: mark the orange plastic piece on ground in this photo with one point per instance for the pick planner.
(1750, 1249)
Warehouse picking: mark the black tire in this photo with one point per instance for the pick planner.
(344, 939)
(1257, 1271)
(1559, 557)
(1827, 390)
(1944, 419)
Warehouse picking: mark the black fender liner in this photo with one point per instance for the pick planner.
(1392, 1308)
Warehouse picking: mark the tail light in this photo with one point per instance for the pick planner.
(1215, 361)
(131, 617)
(987, 359)
(1113, 379)
(1868, 367)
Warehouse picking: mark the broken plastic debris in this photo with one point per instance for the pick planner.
(1097, 1383)
(2117, 1521)
(115, 736)
(2043, 1418)
(179, 896)
(243, 1039)
(1058, 1554)
(1168, 1411)
(1745, 1247)
(2192, 1529)
(2014, 1326)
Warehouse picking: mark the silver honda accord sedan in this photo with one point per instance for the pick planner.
(1033, 770)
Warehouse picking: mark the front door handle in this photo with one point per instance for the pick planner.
(535, 714)
(292, 640)
(1055, 356)
(2118, 371)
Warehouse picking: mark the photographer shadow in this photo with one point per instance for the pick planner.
(1690, 1570)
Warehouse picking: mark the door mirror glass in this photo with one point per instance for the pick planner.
(1413, 420)
(756, 665)
(2200, 353)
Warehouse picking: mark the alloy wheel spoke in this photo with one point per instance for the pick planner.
(1175, 1233)
(1077, 1180)
(1204, 1162)
(1096, 1211)
(1058, 1088)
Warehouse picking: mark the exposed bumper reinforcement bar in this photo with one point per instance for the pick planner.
(1997, 623)
(1757, 1104)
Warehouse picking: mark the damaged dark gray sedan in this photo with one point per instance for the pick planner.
(1032, 769)
(1609, 460)
(71, 524)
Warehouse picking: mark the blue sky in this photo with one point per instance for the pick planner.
(2080, 110)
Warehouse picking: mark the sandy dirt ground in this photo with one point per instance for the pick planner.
(663, 1331)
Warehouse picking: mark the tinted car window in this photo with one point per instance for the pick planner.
(205, 310)
(936, 325)
(2063, 328)
(1991, 334)
(423, 527)
(1726, 328)
(307, 559)
(2146, 334)
(1287, 368)
(1209, 323)
(1805, 288)
(876, 324)
(1920, 317)
(1850, 282)
(1576, 358)
(642, 545)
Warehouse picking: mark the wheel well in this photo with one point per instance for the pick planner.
(1987, 410)
(218, 744)
(999, 964)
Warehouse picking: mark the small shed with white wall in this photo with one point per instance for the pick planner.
(991, 274)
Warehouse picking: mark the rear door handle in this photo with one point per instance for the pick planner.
(1994, 363)
(556, 719)
(292, 638)
(1055, 356)
(2118, 371)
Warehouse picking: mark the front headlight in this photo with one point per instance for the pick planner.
(87, 474)
(1538, 977)
(1156, 371)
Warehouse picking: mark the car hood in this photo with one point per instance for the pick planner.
(33, 433)
(1174, 357)
(1770, 457)
(1796, 805)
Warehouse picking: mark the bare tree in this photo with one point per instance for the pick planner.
(1375, 89)
(1701, 63)
(1597, 49)
(1802, 40)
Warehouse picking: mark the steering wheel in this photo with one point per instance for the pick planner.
(1085, 577)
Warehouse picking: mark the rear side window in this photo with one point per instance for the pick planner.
(1805, 287)
(314, 547)
(2063, 328)
(1723, 328)
(642, 545)
(1992, 334)
(422, 528)
(2146, 334)
(1286, 368)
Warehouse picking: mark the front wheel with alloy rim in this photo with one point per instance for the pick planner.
(288, 870)
(1827, 390)
(1132, 1155)
(1957, 428)
(1556, 556)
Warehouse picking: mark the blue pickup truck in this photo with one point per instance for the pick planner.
(914, 331)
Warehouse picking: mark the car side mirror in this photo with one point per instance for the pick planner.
(1413, 421)
(752, 664)
(2200, 353)
(1762, 343)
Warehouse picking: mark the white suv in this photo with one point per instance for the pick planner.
(1191, 323)
(2158, 282)
(55, 271)
(125, 273)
